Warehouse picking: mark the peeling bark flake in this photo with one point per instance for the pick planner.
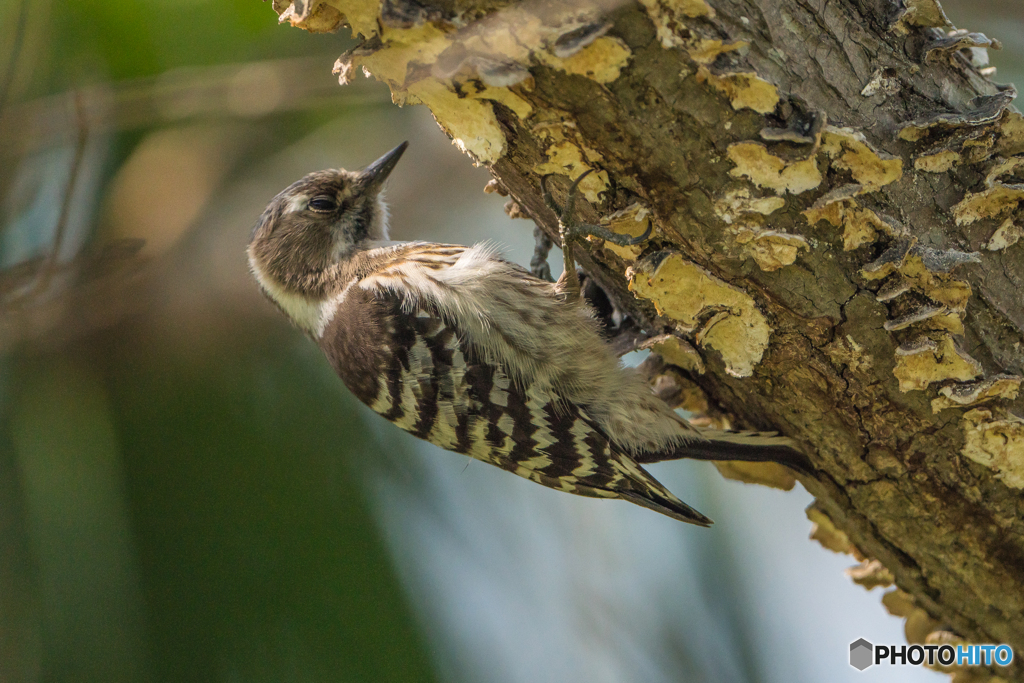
(988, 109)
(965, 394)
(943, 49)
(926, 13)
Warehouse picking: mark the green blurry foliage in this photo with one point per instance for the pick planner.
(192, 516)
(254, 536)
(184, 507)
(101, 40)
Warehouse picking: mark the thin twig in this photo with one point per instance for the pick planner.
(65, 210)
(199, 94)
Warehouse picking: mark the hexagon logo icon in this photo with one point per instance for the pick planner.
(861, 654)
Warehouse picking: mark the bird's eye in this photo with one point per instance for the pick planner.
(323, 204)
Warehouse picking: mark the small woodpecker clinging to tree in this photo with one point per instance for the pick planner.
(472, 353)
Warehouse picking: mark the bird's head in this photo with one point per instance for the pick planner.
(316, 224)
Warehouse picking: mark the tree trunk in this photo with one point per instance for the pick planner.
(835, 191)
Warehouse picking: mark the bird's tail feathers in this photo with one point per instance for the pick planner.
(721, 444)
(639, 487)
(671, 506)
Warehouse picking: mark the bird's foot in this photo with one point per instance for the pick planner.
(571, 230)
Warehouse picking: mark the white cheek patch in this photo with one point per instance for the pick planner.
(296, 203)
(302, 311)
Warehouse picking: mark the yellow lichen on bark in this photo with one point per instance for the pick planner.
(471, 122)
(461, 93)
(850, 151)
(692, 8)
(707, 51)
(926, 13)
(402, 47)
(899, 603)
(743, 90)
(685, 292)
(737, 202)
(940, 162)
(770, 474)
(601, 61)
(677, 352)
(668, 17)
(998, 199)
(996, 443)
(770, 249)
(927, 361)
(831, 537)
(566, 158)
(1006, 235)
(948, 290)
(989, 203)
(754, 162)
(860, 225)
(327, 17)
(919, 627)
(632, 221)
(1011, 134)
(870, 574)
(361, 15)
(468, 118)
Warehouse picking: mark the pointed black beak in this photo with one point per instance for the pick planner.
(373, 176)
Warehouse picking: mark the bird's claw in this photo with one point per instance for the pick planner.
(571, 230)
(604, 233)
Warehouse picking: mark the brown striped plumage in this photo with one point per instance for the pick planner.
(423, 375)
(470, 352)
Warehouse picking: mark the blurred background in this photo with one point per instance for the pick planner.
(188, 493)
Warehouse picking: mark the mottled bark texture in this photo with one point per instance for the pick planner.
(835, 189)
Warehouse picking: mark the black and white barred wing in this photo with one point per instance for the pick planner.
(427, 376)
(539, 338)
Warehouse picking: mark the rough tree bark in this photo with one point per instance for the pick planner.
(835, 189)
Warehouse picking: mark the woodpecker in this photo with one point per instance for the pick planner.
(472, 353)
